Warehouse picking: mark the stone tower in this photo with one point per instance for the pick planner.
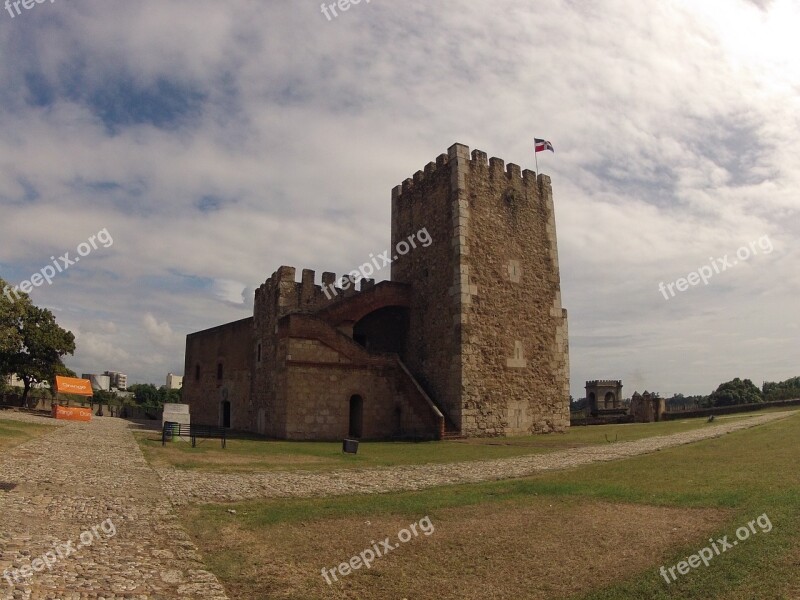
(604, 396)
(488, 333)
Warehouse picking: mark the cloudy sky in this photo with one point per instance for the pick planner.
(215, 141)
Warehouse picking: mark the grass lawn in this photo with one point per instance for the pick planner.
(244, 455)
(13, 433)
(592, 533)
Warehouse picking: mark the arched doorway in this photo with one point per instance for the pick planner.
(398, 422)
(355, 430)
(226, 414)
(610, 400)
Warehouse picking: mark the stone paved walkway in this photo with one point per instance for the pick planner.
(202, 487)
(75, 478)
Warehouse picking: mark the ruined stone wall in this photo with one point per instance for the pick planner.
(229, 346)
(647, 408)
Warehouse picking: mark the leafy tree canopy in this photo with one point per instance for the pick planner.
(736, 391)
(32, 344)
(146, 394)
(783, 390)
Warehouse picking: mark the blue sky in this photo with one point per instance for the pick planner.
(216, 141)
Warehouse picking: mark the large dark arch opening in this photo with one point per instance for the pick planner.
(383, 330)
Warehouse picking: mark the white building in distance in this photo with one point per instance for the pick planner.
(174, 382)
(118, 380)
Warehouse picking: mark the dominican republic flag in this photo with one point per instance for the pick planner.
(542, 145)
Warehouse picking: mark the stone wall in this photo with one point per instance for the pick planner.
(432, 343)
(324, 368)
(228, 346)
(515, 356)
(281, 295)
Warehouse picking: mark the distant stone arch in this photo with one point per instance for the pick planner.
(604, 396)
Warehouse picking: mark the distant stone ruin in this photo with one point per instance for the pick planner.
(647, 407)
(604, 397)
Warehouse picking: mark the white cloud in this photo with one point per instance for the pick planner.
(159, 333)
(674, 125)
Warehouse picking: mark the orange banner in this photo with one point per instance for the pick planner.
(70, 385)
(67, 413)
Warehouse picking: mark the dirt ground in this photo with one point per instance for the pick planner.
(543, 548)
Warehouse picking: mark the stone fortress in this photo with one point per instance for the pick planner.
(467, 338)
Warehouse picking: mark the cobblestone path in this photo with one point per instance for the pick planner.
(203, 487)
(73, 479)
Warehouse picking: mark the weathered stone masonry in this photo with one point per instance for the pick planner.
(468, 336)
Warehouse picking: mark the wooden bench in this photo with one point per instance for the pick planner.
(193, 432)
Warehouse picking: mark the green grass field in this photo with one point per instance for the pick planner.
(13, 433)
(547, 536)
(265, 455)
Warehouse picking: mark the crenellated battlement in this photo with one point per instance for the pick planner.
(420, 177)
(613, 382)
(480, 162)
(498, 168)
(285, 294)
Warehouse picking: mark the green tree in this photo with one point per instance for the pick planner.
(167, 396)
(734, 392)
(102, 397)
(145, 394)
(33, 344)
(783, 390)
(12, 311)
(578, 405)
(681, 402)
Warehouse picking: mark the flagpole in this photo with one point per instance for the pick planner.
(536, 158)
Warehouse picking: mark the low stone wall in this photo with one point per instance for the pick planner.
(728, 410)
(606, 420)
